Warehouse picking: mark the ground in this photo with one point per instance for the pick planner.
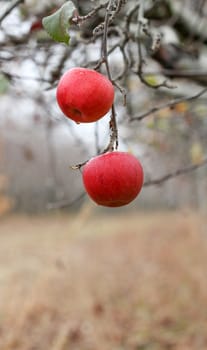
(119, 282)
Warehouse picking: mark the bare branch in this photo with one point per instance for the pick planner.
(168, 105)
(199, 76)
(113, 142)
(96, 135)
(10, 8)
(12, 76)
(65, 203)
(129, 18)
(143, 27)
(175, 173)
(80, 19)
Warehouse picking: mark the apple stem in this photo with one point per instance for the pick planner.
(113, 141)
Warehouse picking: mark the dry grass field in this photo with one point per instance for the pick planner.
(86, 282)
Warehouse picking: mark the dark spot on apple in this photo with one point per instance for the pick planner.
(76, 112)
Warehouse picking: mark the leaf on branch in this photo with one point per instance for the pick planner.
(196, 153)
(4, 84)
(58, 23)
(151, 80)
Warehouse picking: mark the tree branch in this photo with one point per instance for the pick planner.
(143, 27)
(80, 19)
(168, 105)
(10, 8)
(65, 203)
(113, 142)
(175, 173)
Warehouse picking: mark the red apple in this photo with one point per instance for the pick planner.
(113, 179)
(84, 95)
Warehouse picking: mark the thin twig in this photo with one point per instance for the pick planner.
(143, 26)
(96, 134)
(10, 8)
(129, 16)
(12, 76)
(175, 173)
(65, 203)
(113, 8)
(80, 19)
(199, 76)
(178, 73)
(113, 142)
(168, 105)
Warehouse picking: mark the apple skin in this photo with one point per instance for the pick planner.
(113, 179)
(84, 95)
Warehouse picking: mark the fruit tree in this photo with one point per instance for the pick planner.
(138, 67)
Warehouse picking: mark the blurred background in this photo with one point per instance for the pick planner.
(74, 275)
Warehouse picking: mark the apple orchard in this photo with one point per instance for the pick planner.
(113, 102)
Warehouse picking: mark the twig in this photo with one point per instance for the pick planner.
(116, 7)
(79, 19)
(113, 8)
(195, 75)
(55, 73)
(128, 34)
(143, 26)
(12, 76)
(10, 8)
(96, 134)
(113, 142)
(122, 90)
(129, 16)
(168, 105)
(176, 73)
(175, 173)
(65, 202)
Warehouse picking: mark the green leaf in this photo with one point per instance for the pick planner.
(4, 84)
(58, 23)
(151, 79)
